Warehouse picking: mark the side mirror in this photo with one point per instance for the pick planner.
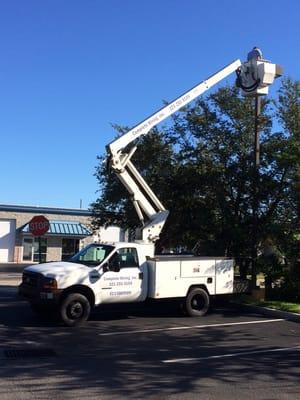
(105, 267)
(114, 264)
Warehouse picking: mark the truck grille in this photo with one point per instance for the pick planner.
(30, 279)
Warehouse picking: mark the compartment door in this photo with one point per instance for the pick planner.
(224, 276)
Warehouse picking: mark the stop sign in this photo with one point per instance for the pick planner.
(39, 225)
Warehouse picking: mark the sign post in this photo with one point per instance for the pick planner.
(38, 226)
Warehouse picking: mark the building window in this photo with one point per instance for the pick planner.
(31, 249)
(69, 248)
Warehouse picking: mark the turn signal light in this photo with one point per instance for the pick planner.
(50, 284)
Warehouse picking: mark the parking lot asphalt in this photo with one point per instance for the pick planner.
(150, 352)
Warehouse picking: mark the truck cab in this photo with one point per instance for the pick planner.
(98, 274)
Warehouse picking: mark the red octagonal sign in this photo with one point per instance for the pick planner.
(39, 225)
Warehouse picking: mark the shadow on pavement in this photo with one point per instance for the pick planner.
(131, 366)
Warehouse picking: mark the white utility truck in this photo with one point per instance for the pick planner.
(130, 272)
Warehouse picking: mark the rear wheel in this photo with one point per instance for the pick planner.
(75, 309)
(197, 302)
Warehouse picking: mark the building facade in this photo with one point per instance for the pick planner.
(69, 231)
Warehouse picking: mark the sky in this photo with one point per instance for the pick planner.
(71, 69)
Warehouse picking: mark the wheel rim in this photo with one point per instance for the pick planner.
(198, 302)
(75, 310)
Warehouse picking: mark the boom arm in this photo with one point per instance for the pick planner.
(145, 126)
(253, 76)
(144, 200)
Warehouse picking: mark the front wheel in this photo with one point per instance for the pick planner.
(197, 302)
(75, 309)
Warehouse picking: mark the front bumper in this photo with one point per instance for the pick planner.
(31, 289)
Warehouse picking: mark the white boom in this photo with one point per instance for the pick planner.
(145, 126)
(146, 203)
(144, 200)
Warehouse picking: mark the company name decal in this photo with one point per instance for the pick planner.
(120, 282)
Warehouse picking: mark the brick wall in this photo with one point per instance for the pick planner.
(53, 242)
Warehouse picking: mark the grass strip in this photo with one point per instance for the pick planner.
(281, 305)
(275, 304)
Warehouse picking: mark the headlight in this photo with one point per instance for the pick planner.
(49, 283)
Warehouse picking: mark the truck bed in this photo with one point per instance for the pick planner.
(173, 275)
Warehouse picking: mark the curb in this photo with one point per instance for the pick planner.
(7, 283)
(11, 279)
(13, 268)
(271, 312)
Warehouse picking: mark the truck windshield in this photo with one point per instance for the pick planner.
(92, 255)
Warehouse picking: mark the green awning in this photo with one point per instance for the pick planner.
(63, 228)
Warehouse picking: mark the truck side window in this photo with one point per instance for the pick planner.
(128, 257)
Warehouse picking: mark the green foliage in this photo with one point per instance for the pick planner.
(275, 304)
(288, 289)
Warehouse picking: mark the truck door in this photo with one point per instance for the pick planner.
(125, 284)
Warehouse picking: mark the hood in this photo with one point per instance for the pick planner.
(57, 268)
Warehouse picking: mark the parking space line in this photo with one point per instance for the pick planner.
(178, 328)
(241, 353)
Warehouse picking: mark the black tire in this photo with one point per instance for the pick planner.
(197, 302)
(75, 309)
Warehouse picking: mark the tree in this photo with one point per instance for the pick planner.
(288, 212)
(201, 168)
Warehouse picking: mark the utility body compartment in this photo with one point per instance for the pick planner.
(172, 276)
